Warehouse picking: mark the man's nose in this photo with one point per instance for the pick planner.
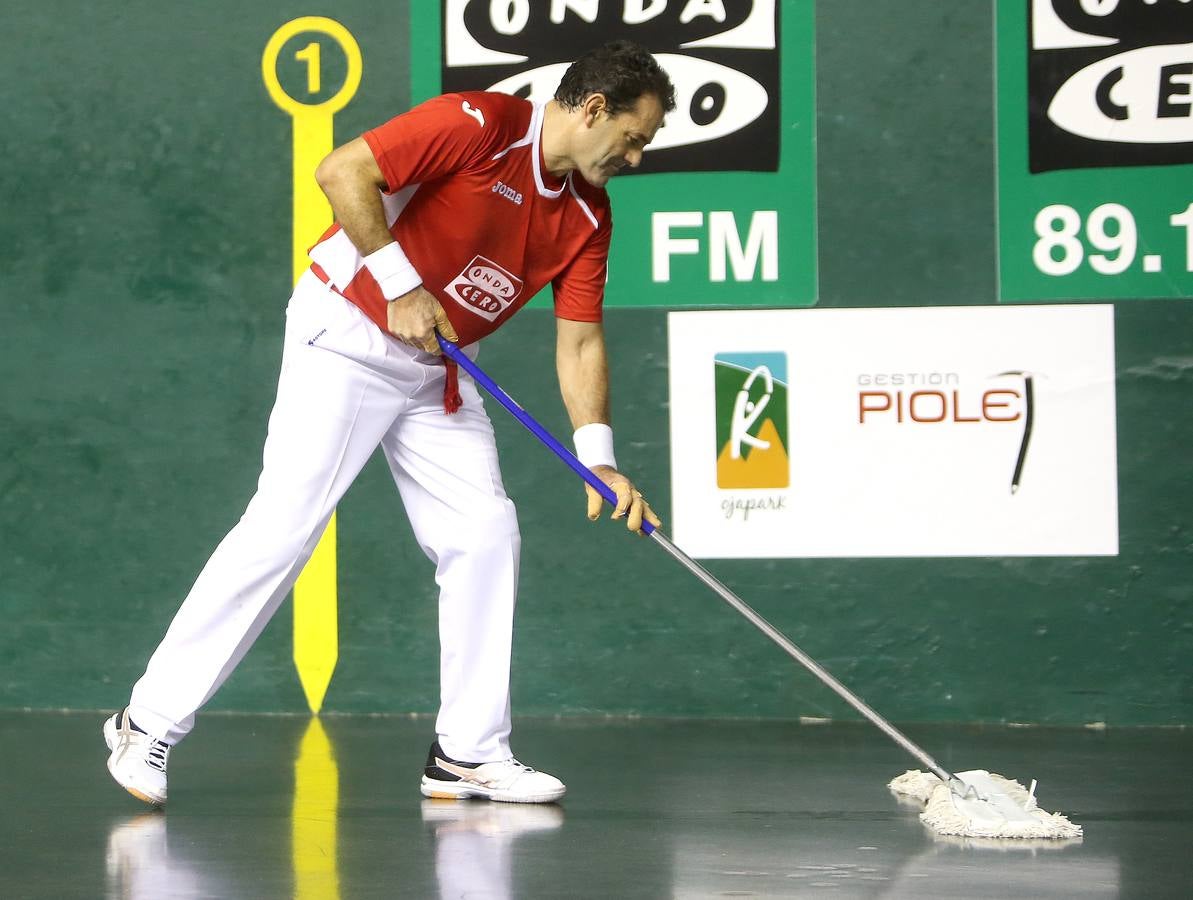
(634, 158)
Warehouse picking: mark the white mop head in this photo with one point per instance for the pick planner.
(996, 807)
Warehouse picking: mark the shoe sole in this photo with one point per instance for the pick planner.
(459, 790)
(110, 740)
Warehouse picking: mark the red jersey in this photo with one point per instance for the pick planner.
(485, 225)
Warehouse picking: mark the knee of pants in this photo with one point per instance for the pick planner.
(280, 530)
(489, 528)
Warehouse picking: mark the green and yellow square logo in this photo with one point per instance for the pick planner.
(751, 409)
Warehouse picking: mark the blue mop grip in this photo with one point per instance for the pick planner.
(478, 375)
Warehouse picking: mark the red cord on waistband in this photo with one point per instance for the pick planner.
(452, 401)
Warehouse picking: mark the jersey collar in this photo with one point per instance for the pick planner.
(536, 126)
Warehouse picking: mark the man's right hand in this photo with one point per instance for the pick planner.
(631, 505)
(414, 317)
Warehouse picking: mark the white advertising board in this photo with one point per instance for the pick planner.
(942, 431)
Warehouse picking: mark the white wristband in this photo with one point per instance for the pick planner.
(594, 445)
(393, 271)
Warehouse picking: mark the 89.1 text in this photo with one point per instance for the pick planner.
(1109, 228)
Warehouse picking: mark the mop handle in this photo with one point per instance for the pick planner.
(802, 658)
(478, 375)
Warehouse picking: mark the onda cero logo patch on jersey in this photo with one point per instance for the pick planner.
(485, 288)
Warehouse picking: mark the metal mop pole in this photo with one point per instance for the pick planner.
(801, 657)
(478, 375)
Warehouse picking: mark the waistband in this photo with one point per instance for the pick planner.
(452, 401)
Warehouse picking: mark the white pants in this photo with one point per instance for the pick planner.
(345, 388)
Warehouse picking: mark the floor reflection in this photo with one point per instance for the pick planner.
(474, 842)
(987, 867)
(277, 807)
(140, 864)
(313, 821)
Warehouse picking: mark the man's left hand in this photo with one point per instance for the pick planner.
(631, 505)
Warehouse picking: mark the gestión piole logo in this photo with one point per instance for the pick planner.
(1110, 83)
(947, 399)
(723, 58)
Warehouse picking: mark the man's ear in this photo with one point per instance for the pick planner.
(593, 105)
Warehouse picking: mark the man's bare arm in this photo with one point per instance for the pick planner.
(583, 368)
(352, 181)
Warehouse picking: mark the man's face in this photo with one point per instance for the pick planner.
(609, 143)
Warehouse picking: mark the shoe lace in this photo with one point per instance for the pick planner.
(159, 752)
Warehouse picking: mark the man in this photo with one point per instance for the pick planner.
(449, 218)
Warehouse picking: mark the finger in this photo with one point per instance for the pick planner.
(594, 503)
(444, 325)
(396, 329)
(634, 519)
(428, 342)
(622, 489)
(649, 515)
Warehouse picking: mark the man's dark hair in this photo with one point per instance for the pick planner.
(621, 70)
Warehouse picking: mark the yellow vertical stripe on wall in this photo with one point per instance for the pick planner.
(316, 642)
(316, 635)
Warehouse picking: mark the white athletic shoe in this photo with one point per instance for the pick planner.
(138, 760)
(507, 781)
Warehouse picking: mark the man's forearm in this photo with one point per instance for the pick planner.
(583, 370)
(357, 208)
(350, 179)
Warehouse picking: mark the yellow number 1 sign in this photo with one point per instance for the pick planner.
(316, 645)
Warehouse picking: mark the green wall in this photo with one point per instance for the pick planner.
(144, 273)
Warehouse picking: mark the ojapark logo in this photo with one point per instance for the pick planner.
(752, 435)
(722, 57)
(485, 288)
(944, 400)
(1110, 83)
(751, 410)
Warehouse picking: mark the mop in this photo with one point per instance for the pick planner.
(966, 804)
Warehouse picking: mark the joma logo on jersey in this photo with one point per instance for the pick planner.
(485, 288)
(507, 192)
(751, 410)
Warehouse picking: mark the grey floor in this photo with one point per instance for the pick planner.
(267, 806)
